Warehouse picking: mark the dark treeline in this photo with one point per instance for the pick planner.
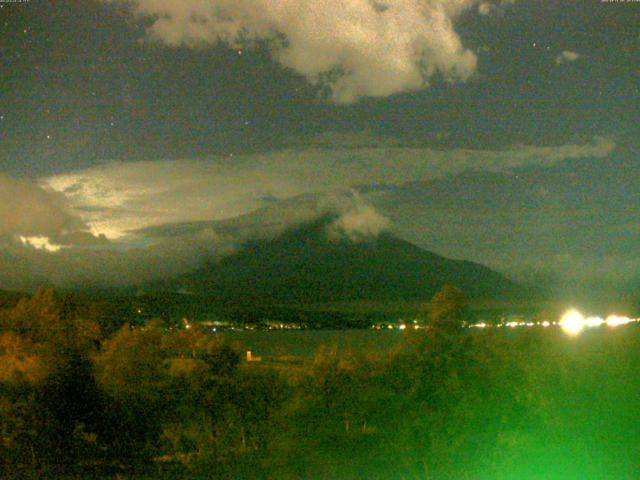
(148, 402)
(115, 310)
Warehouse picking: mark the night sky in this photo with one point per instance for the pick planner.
(501, 132)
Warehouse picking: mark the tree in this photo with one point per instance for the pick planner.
(130, 370)
(20, 360)
(447, 309)
(48, 318)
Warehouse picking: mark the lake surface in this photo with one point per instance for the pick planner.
(305, 343)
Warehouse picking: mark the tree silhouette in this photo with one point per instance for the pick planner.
(447, 309)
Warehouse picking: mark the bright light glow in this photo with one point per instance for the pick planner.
(593, 321)
(402, 327)
(615, 320)
(40, 243)
(572, 322)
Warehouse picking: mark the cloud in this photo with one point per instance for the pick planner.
(353, 48)
(567, 56)
(487, 8)
(167, 217)
(586, 211)
(42, 215)
(268, 221)
(116, 198)
(41, 243)
(358, 224)
(179, 248)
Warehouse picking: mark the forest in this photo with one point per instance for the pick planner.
(78, 400)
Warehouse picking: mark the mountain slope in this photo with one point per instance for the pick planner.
(304, 266)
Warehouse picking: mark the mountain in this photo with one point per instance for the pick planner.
(309, 265)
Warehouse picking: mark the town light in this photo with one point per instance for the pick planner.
(572, 322)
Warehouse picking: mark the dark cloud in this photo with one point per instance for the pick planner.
(142, 123)
(169, 250)
(28, 210)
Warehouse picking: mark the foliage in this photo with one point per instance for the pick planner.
(446, 403)
(447, 309)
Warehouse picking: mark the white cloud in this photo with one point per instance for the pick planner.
(357, 224)
(281, 188)
(355, 48)
(120, 197)
(567, 56)
(41, 243)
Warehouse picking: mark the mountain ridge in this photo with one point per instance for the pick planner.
(305, 265)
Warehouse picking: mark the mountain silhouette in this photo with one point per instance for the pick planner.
(311, 264)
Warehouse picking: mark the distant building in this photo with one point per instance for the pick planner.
(251, 358)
